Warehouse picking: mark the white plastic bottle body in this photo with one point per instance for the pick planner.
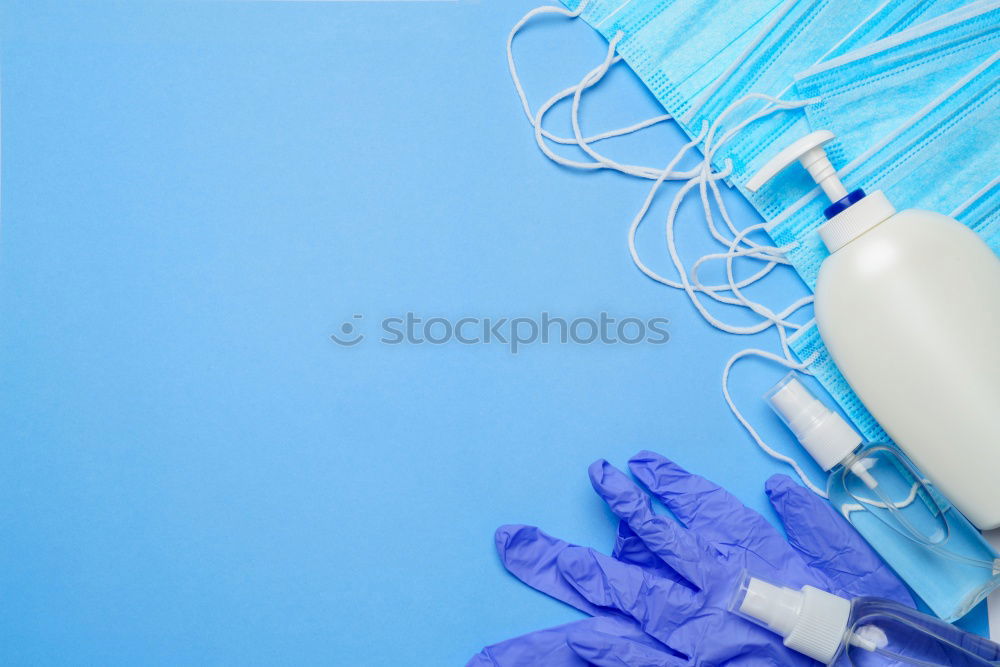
(910, 313)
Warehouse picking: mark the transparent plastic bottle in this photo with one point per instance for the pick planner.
(929, 543)
(863, 632)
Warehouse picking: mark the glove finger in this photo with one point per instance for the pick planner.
(658, 604)
(546, 647)
(629, 548)
(830, 544)
(703, 506)
(606, 650)
(682, 550)
(530, 555)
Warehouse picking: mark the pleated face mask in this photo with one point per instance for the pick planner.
(908, 87)
(701, 58)
(853, 92)
(913, 111)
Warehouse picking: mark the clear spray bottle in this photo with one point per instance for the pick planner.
(862, 632)
(929, 544)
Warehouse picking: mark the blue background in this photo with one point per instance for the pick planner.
(195, 196)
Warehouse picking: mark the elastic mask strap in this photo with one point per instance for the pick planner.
(691, 285)
(644, 209)
(537, 11)
(734, 286)
(770, 319)
(776, 105)
(592, 78)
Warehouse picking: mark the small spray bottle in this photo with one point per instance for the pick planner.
(929, 544)
(861, 632)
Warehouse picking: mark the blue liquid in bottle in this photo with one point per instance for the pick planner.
(930, 545)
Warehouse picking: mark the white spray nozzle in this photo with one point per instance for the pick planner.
(778, 608)
(823, 433)
(809, 151)
(811, 621)
(860, 469)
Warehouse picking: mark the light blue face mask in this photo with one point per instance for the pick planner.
(948, 142)
(701, 57)
(919, 52)
(679, 47)
(909, 70)
(893, 17)
(800, 34)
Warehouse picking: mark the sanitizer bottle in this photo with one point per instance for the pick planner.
(859, 632)
(908, 305)
(929, 544)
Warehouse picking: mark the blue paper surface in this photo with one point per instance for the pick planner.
(195, 197)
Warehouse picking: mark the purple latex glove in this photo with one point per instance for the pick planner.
(675, 581)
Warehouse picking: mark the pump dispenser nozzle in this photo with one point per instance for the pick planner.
(851, 220)
(810, 152)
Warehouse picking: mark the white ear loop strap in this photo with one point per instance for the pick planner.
(770, 254)
(756, 251)
(537, 11)
(774, 104)
(592, 78)
(770, 318)
(598, 74)
(641, 215)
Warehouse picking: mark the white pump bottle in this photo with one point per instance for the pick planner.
(908, 305)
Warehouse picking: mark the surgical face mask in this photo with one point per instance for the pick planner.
(941, 159)
(700, 58)
(678, 47)
(893, 17)
(799, 34)
(908, 69)
(869, 91)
